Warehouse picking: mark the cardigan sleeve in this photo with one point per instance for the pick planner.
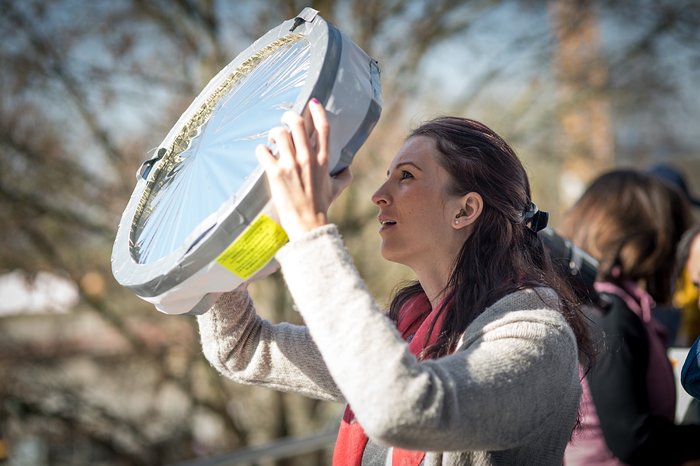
(618, 387)
(515, 374)
(250, 350)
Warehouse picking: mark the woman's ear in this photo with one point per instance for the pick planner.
(472, 205)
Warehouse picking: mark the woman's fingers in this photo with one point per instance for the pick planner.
(322, 127)
(265, 157)
(282, 139)
(299, 181)
(307, 137)
(297, 128)
(305, 154)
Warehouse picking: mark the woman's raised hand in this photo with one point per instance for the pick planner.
(300, 185)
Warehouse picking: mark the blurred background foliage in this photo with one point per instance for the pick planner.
(89, 89)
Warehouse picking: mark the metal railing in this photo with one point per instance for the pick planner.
(284, 448)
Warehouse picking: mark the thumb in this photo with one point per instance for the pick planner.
(339, 182)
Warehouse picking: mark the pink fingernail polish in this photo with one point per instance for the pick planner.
(315, 100)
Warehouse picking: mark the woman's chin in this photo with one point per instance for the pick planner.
(391, 255)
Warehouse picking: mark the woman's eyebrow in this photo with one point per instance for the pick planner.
(402, 164)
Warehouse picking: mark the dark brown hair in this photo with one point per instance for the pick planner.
(502, 254)
(632, 223)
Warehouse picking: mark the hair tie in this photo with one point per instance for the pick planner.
(534, 218)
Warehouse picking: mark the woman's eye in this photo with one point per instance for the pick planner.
(405, 175)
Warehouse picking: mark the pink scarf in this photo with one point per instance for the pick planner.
(414, 323)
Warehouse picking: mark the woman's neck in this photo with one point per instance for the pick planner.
(434, 282)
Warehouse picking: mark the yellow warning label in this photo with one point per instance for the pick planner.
(254, 248)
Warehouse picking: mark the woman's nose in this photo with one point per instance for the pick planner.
(380, 196)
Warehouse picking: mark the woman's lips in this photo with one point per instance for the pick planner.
(385, 223)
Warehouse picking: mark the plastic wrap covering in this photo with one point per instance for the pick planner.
(200, 221)
(218, 145)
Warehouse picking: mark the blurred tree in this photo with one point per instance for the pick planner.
(623, 85)
(87, 90)
(584, 110)
(90, 88)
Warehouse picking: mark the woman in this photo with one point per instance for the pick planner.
(631, 222)
(689, 263)
(477, 362)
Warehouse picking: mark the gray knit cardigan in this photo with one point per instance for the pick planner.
(508, 395)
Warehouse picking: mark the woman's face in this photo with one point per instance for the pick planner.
(415, 211)
(693, 263)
